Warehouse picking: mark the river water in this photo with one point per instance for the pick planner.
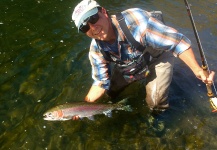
(44, 63)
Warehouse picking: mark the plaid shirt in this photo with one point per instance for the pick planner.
(145, 29)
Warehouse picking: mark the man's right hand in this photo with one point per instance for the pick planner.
(95, 93)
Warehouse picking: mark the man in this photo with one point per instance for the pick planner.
(108, 40)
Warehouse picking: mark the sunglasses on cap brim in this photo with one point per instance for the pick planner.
(85, 26)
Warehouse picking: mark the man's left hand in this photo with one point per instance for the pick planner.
(207, 79)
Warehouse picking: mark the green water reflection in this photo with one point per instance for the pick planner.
(44, 63)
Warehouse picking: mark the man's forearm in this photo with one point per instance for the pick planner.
(189, 58)
(95, 93)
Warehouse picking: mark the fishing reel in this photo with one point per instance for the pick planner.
(213, 102)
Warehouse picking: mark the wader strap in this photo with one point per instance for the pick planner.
(107, 56)
(127, 33)
(130, 37)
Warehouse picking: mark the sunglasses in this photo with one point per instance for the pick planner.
(85, 26)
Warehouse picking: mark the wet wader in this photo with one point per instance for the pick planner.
(160, 68)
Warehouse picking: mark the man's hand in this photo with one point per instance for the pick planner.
(75, 118)
(188, 57)
(95, 93)
(206, 78)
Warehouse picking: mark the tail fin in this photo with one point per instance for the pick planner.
(127, 108)
(123, 105)
(123, 101)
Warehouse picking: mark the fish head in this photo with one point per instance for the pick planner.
(51, 115)
(54, 115)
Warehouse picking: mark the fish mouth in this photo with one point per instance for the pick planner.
(45, 117)
(49, 118)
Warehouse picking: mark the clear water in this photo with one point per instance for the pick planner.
(44, 63)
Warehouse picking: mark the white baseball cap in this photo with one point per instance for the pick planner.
(83, 10)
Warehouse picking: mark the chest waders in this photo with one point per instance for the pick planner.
(125, 73)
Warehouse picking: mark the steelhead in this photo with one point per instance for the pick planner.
(83, 109)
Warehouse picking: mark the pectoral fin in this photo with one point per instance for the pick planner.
(91, 118)
(108, 113)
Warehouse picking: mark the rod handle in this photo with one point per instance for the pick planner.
(208, 86)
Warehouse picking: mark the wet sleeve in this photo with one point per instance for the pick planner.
(100, 68)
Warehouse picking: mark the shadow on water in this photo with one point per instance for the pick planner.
(44, 63)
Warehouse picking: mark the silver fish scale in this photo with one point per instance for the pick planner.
(82, 109)
(87, 109)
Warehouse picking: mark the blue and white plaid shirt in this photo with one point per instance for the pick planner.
(145, 29)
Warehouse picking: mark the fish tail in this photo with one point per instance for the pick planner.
(122, 105)
(127, 108)
(123, 101)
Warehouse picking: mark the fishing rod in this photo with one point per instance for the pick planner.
(213, 100)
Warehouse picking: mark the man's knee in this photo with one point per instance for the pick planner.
(157, 102)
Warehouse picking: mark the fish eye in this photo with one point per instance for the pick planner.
(51, 115)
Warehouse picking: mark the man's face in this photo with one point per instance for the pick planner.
(102, 28)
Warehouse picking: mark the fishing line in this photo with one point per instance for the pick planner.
(213, 100)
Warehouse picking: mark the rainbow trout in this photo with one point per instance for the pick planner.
(83, 109)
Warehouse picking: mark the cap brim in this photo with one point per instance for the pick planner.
(87, 15)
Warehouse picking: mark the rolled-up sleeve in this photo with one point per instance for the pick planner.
(162, 37)
(100, 67)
